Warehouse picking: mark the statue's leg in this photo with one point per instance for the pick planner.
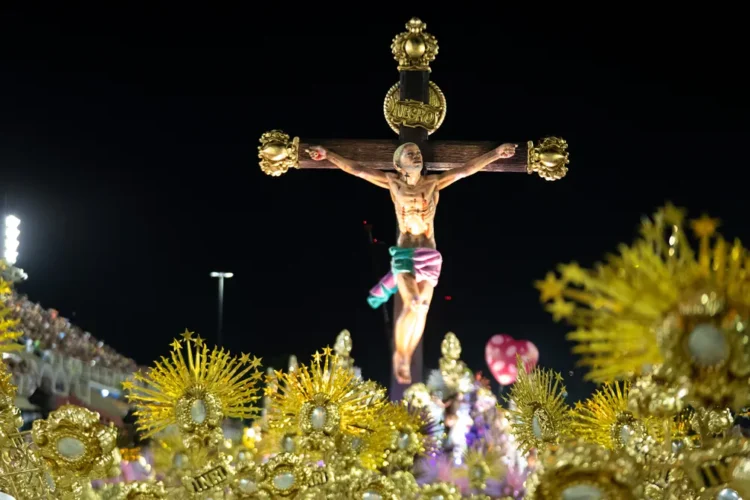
(405, 324)
(425, 299)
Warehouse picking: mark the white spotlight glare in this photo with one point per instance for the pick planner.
(12, 221)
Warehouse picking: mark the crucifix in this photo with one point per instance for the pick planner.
(415, 170)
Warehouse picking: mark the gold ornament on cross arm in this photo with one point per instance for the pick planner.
(414, 49)
(278, 153)
(549, 158)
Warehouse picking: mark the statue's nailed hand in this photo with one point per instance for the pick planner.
(506, 150)
(317, 153)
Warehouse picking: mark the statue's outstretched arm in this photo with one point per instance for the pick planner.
(377, 177)
(473, 166)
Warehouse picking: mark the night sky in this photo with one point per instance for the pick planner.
(128, 148)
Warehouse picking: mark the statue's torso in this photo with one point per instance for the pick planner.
(415, 210)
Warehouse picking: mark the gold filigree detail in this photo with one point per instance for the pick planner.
(277, 153)
(23, 472)
(584, 470)
(137, 490)
(549, 159)
(284, 476)
(724, 465)
(414, 49)
(76, 447)
(653, 395)
(196, 393)
(405, 484)
(374, 484)
(411, 113)
(540, 416)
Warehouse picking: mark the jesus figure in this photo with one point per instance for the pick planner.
(415, 261)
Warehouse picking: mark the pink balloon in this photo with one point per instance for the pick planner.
(500, 354)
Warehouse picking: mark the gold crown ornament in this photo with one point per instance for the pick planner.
(659, 302)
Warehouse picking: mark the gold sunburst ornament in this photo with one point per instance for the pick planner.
(605, 419)
(322, 401)
(407, 432)
(479, 466)
(541, 416)
(661, 302)
(196, 391)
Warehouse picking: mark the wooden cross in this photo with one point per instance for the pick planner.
(414, 108)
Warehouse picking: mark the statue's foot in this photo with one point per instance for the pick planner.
(401, 369)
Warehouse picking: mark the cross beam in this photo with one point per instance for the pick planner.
(548, 158)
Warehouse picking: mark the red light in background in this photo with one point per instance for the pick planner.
(374, 240)
(448, 297)
(364, 222)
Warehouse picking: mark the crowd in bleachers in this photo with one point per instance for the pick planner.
(44, 329)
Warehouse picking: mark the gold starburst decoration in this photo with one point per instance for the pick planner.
(584, 470)
(604, 419)
(479, 466)
(196, 391)
(405, 434)
(541, 416)
(76, 447)
(660, 302)
(322, 401)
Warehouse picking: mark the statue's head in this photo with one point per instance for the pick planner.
(408, 161)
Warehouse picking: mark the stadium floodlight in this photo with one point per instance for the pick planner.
(221, 277)
(12, 232)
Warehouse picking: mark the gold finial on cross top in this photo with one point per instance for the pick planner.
(414, 49)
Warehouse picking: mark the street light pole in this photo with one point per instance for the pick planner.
(221, 277)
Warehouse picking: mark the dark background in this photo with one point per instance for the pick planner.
(128, 147)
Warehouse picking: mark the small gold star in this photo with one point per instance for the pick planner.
(550, 288)
(268, 391)
(175, 345)
(705, 226)
(187, 335)
(255, 363)
(561, 309)
(256, 376)
(198, 341)
(127, 385)
(673, 215)
(573, 273)
(244, 358)
(327, 351)
(317, 357)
